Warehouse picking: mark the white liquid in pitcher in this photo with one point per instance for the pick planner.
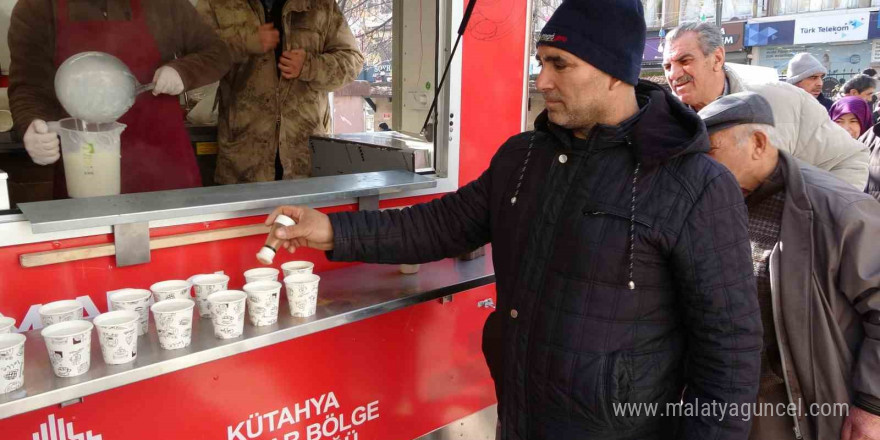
(92, 172)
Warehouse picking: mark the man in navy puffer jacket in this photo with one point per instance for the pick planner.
(621, 250)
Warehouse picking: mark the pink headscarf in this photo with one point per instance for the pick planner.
(855, 105)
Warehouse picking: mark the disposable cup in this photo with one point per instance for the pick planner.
(118, 336)
(302, 294)
(262, 302)
(137, 300)
(11, 362)
(297, 267)
(171, 289)
(60, 311)
(7, 324)
(261, 273)
(227, 313)
(174, 322)
(70, 346)
(204, 286)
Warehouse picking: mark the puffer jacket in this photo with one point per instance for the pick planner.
(807, 132)
(623, 273)
(261, 113)
(871, 139)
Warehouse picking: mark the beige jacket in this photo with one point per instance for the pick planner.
(808, 133)
(261, 113)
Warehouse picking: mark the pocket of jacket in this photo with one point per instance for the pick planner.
(598, 212)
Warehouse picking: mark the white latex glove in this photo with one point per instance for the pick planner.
(41, 144)
(167, 81)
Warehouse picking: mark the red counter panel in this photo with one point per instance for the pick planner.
(410, 371)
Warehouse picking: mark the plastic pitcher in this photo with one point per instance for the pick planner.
(91, 154)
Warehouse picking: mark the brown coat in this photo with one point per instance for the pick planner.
(261, 113)
(202, 56)
(824, 281)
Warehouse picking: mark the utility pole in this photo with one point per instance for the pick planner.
(718, 4)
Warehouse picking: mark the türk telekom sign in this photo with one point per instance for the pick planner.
(859, 25)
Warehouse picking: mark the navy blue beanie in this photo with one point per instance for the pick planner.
(607, 34)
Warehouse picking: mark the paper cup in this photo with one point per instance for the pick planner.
(136, 300)
(261, 273)
(174, 322)
(302, 294)
(172, 289)
(11, 362)
(227, 313)
(70, 347)
(118, 336)
(6, 326)
(262, 302)
(61, 311)
(204, 286)
(297, 267)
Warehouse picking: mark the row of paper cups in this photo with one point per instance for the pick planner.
(68, 336)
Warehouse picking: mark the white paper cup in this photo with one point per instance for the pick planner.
(61, 311)
(262, 302)
(6, 326)
(204, 286)
(174, 322)
(261, 273)
(227, 313)
(137, 300)
(297, 267)
(70, 347)
(118, 336)
(302, 294)
(172, 289)
(11, 362)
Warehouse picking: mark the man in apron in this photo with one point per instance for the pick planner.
(161, 41)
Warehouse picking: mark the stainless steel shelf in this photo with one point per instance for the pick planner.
(346, 295)
(72, 214)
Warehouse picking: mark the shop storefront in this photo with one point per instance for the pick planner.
(841, 41)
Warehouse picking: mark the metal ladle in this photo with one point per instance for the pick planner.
(97, 87)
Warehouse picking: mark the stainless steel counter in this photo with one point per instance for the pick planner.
(345, 296)
(70, 214)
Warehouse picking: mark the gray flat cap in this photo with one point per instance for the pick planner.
(737, 109)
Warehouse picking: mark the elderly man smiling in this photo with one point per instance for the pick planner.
(815, 260)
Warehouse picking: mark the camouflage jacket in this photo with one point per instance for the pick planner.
(261, 112)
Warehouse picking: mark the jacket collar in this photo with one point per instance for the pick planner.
(662, 129)
(795, 188)
(297, 6)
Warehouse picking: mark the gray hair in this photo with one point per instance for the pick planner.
(744, 131)
(859, 83)
(710, 36)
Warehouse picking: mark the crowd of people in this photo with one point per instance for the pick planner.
(709, 246)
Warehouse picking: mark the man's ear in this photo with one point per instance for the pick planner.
(762, 145)
(718, 59)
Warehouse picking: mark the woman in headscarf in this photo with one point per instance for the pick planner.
(853, 114)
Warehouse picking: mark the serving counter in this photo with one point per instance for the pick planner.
(398, 355)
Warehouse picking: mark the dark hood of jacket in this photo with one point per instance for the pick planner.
(664, 128)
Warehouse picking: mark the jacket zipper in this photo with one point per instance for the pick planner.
(780, 340)
(537, 300)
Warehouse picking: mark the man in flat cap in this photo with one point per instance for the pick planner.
(814, 246)
(694, 65)
(621, 251)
